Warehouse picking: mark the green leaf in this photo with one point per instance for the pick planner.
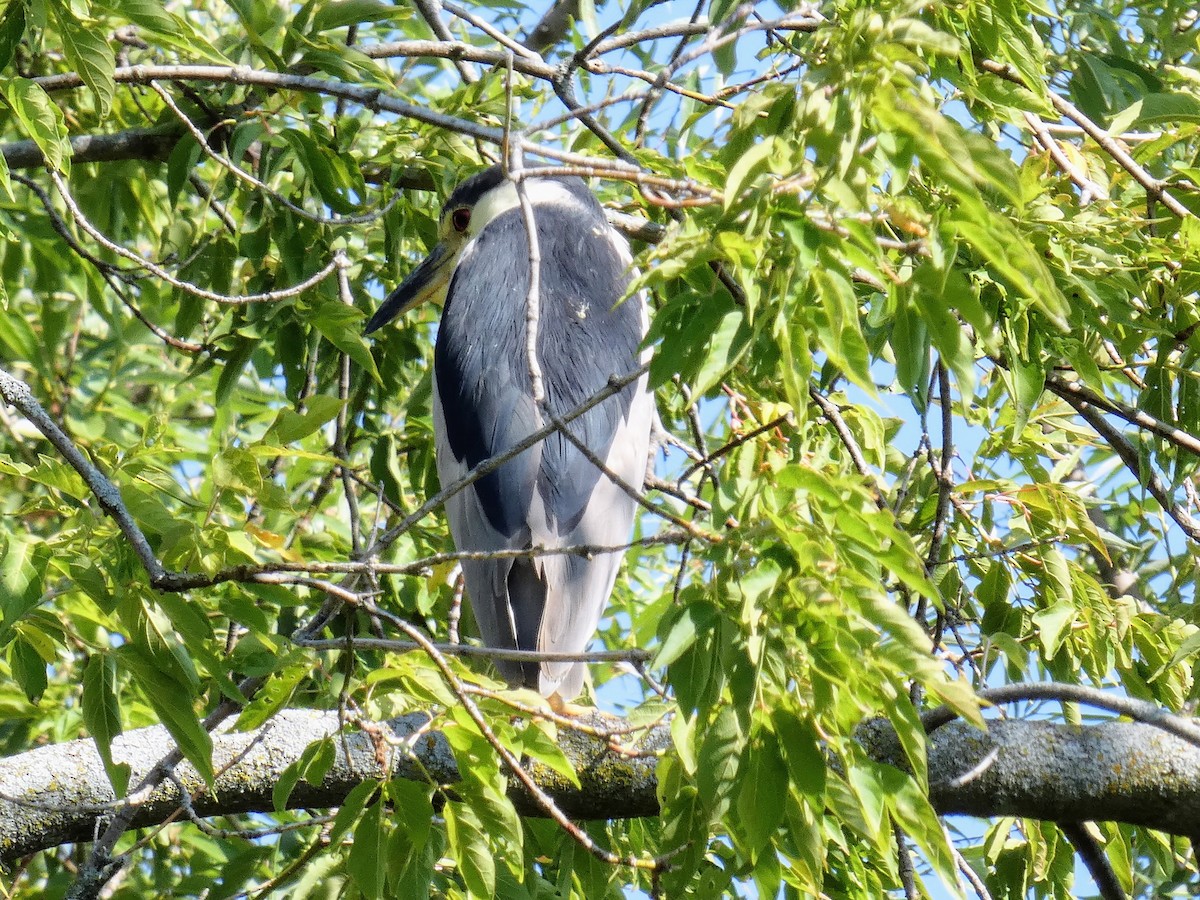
(409, 860)
(41, 118)
(1187, 649)
(760, 803)
(235, 363)
(351, 808)
(1165, 109)
(88, 54)
(691, 620)
(960, 696)
(910, 345)
(538, 745)
(871, 795)
(469, 848)
(102, 715)
(12, 29)
(22, 570)
(351, 12)
(802, 753)
(725, 346)
(152, 15)
(366, 861)
(28, 668)
(273, 695)
(237, 470)
(757, 157)
(1052, 625)
(918, 34)
(290, 426)
(718, 759)
(909, 805)
(1026, 381)
(342, 325)
(312, 766)
(329, 177)
(173, 701)
(840, 329)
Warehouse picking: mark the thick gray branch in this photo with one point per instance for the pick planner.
(55, 794)
(1116, 771)
(136, 143)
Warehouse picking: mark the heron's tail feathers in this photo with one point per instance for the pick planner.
(526, 602)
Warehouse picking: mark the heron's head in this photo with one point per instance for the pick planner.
(472, 205)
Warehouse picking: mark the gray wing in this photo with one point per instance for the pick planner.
(579, 586)
(551, 603)
(550, 495)
(584, 338)
(487, 581)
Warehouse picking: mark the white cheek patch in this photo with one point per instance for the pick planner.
(499, 200)
(495, 202)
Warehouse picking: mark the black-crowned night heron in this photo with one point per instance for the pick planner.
(549, 496)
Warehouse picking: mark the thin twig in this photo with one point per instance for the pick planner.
(60, 226)
(451, 649)
(632, 492)
(16, 393)
(943, 472)
(544, 801)
(615, 385)
(431, 12)
(533, 296)
(664, 75)
(186, 286)
(1088, 189)
(1067, 389)
(1140, 710)
(830, 411)
(964, 868)
(1129, 456)
(341, 441)
(1097, 864)
(242, 175)
(495, 34)
(734, 444)
(908, 878)
(1153, 187)
(371, 98)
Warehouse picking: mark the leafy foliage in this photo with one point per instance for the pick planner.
(893, 239)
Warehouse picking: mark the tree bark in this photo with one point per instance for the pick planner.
(1117, 771)
(56, 794)
(136, 143)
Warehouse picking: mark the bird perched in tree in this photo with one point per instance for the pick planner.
(549, 496)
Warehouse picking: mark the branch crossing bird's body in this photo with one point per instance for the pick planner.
(550, 496)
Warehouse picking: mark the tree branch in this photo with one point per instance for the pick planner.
(16, 393)
(1092, 854)
(1133, 462)
(1073, 391)
(52, 795)
(1154, 188)
(1117, 771)
(136, 143)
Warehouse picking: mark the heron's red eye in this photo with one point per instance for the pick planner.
(461, 218)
